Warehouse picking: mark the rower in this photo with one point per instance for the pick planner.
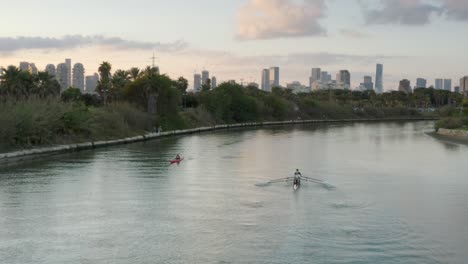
(177, 157)
(297, 176)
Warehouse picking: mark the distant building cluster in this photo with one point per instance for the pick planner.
(66, 75)
(74, 76)
(203, 79)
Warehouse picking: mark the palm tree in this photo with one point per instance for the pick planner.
(120, 80)
(104, 85)
(134, 73)
(45, 85)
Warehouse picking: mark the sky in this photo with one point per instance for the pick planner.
(236, 39)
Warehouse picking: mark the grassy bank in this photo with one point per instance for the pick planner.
(39, 122)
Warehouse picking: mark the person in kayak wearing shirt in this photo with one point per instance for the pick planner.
(177, 157)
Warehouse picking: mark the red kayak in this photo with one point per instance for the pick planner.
(177, 161)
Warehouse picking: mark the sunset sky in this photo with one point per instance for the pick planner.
(235, 39)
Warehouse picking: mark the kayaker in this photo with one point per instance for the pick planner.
(177, 157)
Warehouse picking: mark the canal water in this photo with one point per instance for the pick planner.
(399, 196)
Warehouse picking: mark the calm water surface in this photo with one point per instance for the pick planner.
(401, 197)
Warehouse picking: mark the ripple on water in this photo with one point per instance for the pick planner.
(369, 238)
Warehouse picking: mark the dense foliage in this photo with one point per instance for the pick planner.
(131, 102)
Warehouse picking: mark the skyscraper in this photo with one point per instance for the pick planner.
(379, 79)
(50, 68)
(274, 77)
(448, 84)
(464, 85)
(92, 83)
(343, 79)
(368, 84)
(205, 77)
(25, 66)
(316, 75)
(266, 80)
(78, 77)
(325, 77)
(421, 83)
(213, 82)
(197, 82)
(439, 84)
(405, 86)
(63, 76)
(33, 68)
(69, 68)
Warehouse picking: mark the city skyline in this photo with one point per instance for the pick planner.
(331, 34)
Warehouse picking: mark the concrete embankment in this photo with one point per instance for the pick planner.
(34, 153)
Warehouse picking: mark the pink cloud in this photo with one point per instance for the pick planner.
(268, 19)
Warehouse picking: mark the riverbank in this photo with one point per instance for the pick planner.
(38, 152)
(452, 135)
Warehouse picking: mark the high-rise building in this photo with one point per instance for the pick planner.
(50, 68)
(379, 79)
(274, 77)
(69, 68)
(79, 77)
(448, 84)
(439, 84)
(421, 83)
(464, 85)
(325, 77)
(405, 86)
(266, 80)
(315, 76)
(368, 84)
(92, 83)
(33, 68)
(214, 82)
(25, 66)
(197, 82)
(343, 79)
(63, 76)
(205, 77)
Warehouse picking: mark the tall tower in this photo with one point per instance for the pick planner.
(63, 76)
(439, 84)
(379, 79)
(448, 84)
(79, 77)
(274, 77)
(197, 82)
(69, 68)
(213, 82)
(50, 68)
(205, 77)
(344, 78)
(266, 80)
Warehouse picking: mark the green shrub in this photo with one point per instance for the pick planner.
(450, 123)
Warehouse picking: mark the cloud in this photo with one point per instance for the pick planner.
(405, 12)
(351, 33)
(10, 44)
(269, 19)
(456, 9)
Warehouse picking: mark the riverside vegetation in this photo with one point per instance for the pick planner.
(455, 118)
(34, 112)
